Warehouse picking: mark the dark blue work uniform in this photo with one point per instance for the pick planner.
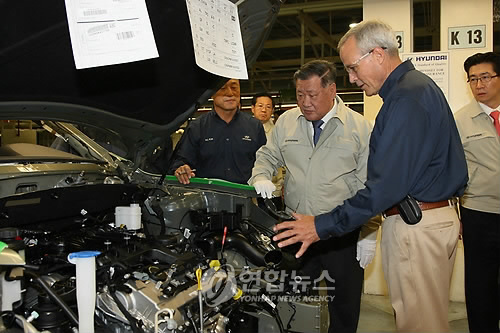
(415, 149)
(217, 149)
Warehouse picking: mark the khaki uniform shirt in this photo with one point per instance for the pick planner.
(482, 151)
(278, 178)
(317, 178)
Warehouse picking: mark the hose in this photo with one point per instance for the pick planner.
(256, 255)
(55, 297)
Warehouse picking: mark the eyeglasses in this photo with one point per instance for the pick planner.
(483, 78)
(352, 69)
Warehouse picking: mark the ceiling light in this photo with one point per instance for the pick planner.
(352, 25)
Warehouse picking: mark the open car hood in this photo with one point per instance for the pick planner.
(142, 102)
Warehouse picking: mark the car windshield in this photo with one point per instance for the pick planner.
(50, 141)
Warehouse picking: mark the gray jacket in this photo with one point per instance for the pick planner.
(317, 178)
(482, 151)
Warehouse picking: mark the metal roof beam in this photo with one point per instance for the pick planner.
(289, 62)
(314, 27)
(318, 6)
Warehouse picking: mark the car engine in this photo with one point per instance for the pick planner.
(194, 259)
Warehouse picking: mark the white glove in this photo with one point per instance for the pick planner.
(265, 188)
(365, 250)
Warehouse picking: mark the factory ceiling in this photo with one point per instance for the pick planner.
(307, 30)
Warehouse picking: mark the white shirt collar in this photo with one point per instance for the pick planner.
(329, 115)
(486, 109)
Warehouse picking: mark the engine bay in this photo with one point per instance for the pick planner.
(200, 260)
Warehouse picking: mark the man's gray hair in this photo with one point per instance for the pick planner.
(371, 34)
(325, 70)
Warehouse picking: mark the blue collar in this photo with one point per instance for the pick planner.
(214, 114)
(394, 77)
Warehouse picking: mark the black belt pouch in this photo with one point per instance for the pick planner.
(409, 210)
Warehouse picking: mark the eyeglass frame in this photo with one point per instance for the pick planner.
(352, 67)
(485, 78)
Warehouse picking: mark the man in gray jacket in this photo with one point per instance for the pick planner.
(479, 130)
(324, 147)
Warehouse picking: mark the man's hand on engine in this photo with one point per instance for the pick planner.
(301, 230)
(265, 188)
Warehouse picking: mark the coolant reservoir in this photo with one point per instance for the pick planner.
(128, 216)
(85, 288)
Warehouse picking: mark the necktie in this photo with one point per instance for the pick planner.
(317, 129)
(496, 123)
